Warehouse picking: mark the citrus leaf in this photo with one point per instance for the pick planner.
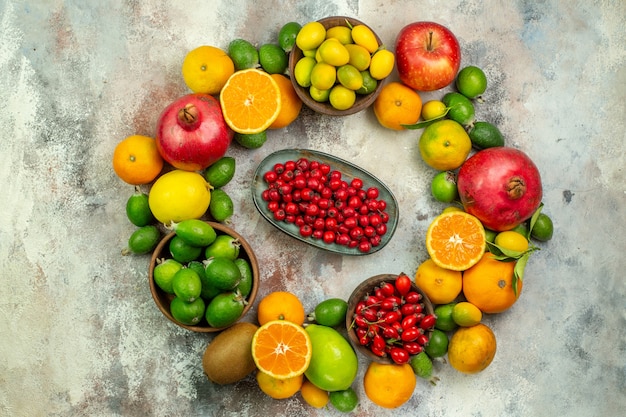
(518, 271)
(425, 123)
(504, 253)
(534, 218)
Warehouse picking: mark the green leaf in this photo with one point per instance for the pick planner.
(518, 271)
(425, 123)
(504, 253)
(533, 219)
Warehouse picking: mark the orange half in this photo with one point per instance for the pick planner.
(281, 349)
(456, 240)
(250, 101)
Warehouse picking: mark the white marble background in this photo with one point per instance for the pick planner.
(79, 332)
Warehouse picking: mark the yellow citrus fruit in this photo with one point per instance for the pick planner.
(512, 240)
(323, 76)
(466, 314)
(472, 349)
(250, 101)
(360, 58)
(290, 103)
(456, 240)
(342, 33)
(341, 98)
(281, 349)
(433, 109)
(451, 209)
(396, 105)
(389, 385)
(179, 195)
(444, 145)
(311, 36)
(364, 36)
(279, 389)
(206, 69)
(314, 396)
(136, 160)
(302, 71)
(382, 64)
(489, 284)
(281, 305)
(441, 285)
(333, 52)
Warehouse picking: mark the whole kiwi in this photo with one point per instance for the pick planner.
(228, 358)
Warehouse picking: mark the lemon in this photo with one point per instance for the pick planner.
(433, 109)
(321, 96)
(333, 52)
(341, 98)
(350, 77)
(342, 33)
(287, 35)
(359, 56)
(311, 36)
(444, 145)
(466, 314)
(363, 35)
(382, 63)
(512, 241)
(302, 71)
(323, 76)
(179, 195)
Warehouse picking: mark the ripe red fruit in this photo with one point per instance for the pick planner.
(191, 132)
(501, 186)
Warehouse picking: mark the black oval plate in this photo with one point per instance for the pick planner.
(348, 172)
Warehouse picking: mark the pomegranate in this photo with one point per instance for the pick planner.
(501, 186)
(192, 133)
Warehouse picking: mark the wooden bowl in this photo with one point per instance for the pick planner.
(362, 101)
(163, 299)
(359, 293)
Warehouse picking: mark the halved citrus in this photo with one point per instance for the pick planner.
(250, 101)
(456, 240)
(281, 349)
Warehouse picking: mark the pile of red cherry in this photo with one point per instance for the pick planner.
(323, 205)
(391, 321)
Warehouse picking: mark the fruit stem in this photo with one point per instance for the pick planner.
(188, 116)
(429, 46)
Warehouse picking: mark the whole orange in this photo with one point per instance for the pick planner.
(290, 102)
(389, 385)
(441, 285)
(489, 284)
(397, 105)
(281, 305)
(206, 69)
(136, 160)
(471, 349)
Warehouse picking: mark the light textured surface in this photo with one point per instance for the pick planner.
(79, 332)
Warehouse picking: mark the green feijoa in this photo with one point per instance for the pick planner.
(221, 206)
(224, 246)
(287, 35)
(330, 312)
(221, 172)
(143, 240)
(437, 345)
(182, 251)
(187, 285)
(243, 54)
(471, 81)
(485, 135)
(461, 108)
(252, 140)
(208, 291)
(245, 284)
(224, 309)
(222, 273)
(187, 313)
(422, 365)
(163, 273)
(138, 210)
(195, 232)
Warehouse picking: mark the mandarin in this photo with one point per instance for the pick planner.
(290, 105)
(397, 105)
(281, 305)
(489, 284)
(136, 160)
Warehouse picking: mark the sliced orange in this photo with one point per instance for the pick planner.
(250, 101)
(281, 349)
(456, 240)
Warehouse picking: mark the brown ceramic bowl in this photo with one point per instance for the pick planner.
(163, 299)
(362, 101)
(359, 293)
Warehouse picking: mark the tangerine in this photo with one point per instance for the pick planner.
(455, 240)
(281, 305)
(250, 100)
(472, 349)
(397, 105)
(444, 145)
(290, 103)
(389, 385)
(206, 69)
(489, 284)
(282, 349)
(136, 160)
(314, 396)
(441, 285)
(279, 389)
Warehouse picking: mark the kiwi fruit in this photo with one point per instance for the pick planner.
(228, 358)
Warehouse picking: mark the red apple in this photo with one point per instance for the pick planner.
(427, 56)
(192, 133)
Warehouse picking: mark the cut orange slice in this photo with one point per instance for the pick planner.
(281, 349)
(250, 101)
(456, 240)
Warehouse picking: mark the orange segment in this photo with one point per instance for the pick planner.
(455, 240)
(281, 349)
(250, 101)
